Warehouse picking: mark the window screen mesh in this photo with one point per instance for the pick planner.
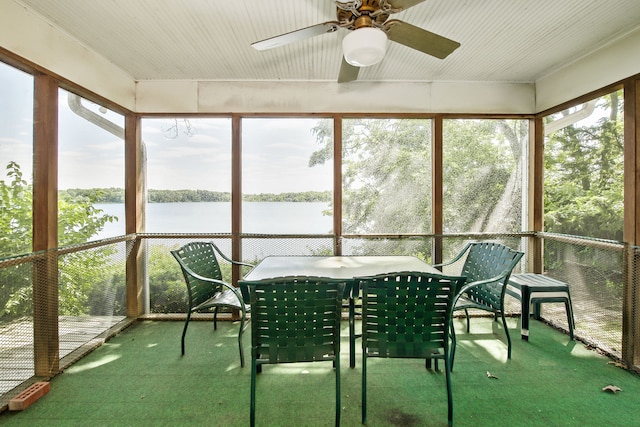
(44, 326)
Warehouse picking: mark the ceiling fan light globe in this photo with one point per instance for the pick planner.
(364, 47)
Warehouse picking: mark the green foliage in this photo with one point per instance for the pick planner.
(102, 195)
(16, 200)
(79, 219)
(176, 196)
(387, 176)
(116, 195)
(303, 197)
(79, 273)
(584, 176)
(482, 176)
(15, 239)
(167, 289)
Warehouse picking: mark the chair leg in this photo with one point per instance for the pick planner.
(447, 369)
(466, 313)
(364, 387)
(253, 391)
(352, 333)
(506, 331)
(215, 319)
(428, 362)
(452, 351)
(570, 318)
(184, 331)
(336, 362)
(242, 321)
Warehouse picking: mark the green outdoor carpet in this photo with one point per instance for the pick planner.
(138, 378)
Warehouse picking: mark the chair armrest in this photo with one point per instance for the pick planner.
(226, 258)
(460, 255)
(193, 274)
(501, 277)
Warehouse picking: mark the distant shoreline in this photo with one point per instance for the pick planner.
(116, 195)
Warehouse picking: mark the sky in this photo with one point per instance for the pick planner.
(276, 152)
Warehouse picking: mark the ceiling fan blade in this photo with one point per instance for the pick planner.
(297, 35)
(348, 72)
(419, 39)
(400, 5)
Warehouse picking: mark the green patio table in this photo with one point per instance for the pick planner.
(338, 267)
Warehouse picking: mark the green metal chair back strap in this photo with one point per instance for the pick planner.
(407, 315)
(200, 258)
(487, 260)
(294, 319)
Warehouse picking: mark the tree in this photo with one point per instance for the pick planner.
(79, 220)
(387, 174)
(15, 213)
(584, 175)
(482, 162)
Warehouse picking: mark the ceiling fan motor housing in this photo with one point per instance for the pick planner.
(368, 14)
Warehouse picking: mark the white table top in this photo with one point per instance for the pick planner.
(336, 267)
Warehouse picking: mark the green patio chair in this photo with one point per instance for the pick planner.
(407, 315)
(487, 267)
(294, 319)
(205, 287)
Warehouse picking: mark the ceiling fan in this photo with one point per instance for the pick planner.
(365, 45)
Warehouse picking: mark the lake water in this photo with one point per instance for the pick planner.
(215, 217)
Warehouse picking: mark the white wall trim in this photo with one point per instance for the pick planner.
(617, 61)
(331, 97)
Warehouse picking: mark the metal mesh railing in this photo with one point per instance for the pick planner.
(16, 339)
(91, 286)
(594, 271)
(56, 306)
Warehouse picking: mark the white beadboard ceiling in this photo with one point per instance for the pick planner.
(501, 40)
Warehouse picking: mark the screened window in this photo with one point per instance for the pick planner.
(483, 175)
(16, 213)
(583, 179)
(188, 175)
(90, 171)
(16, 160)
(287, 175)
(386, 176)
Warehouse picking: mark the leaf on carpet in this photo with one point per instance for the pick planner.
(490, 375)
(612, 389)
(618, 364)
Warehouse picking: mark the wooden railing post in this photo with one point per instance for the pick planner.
(134, 198)
(631, 229)
(45, 226)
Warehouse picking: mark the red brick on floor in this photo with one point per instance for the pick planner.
(30, 395)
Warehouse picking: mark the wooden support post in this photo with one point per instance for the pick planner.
(436, 189)
(134, 199)
(45, 226)
(631, 229)
(337, 186)
(536, 196)
(236, 199)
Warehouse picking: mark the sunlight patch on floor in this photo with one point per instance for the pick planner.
(80, 367)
